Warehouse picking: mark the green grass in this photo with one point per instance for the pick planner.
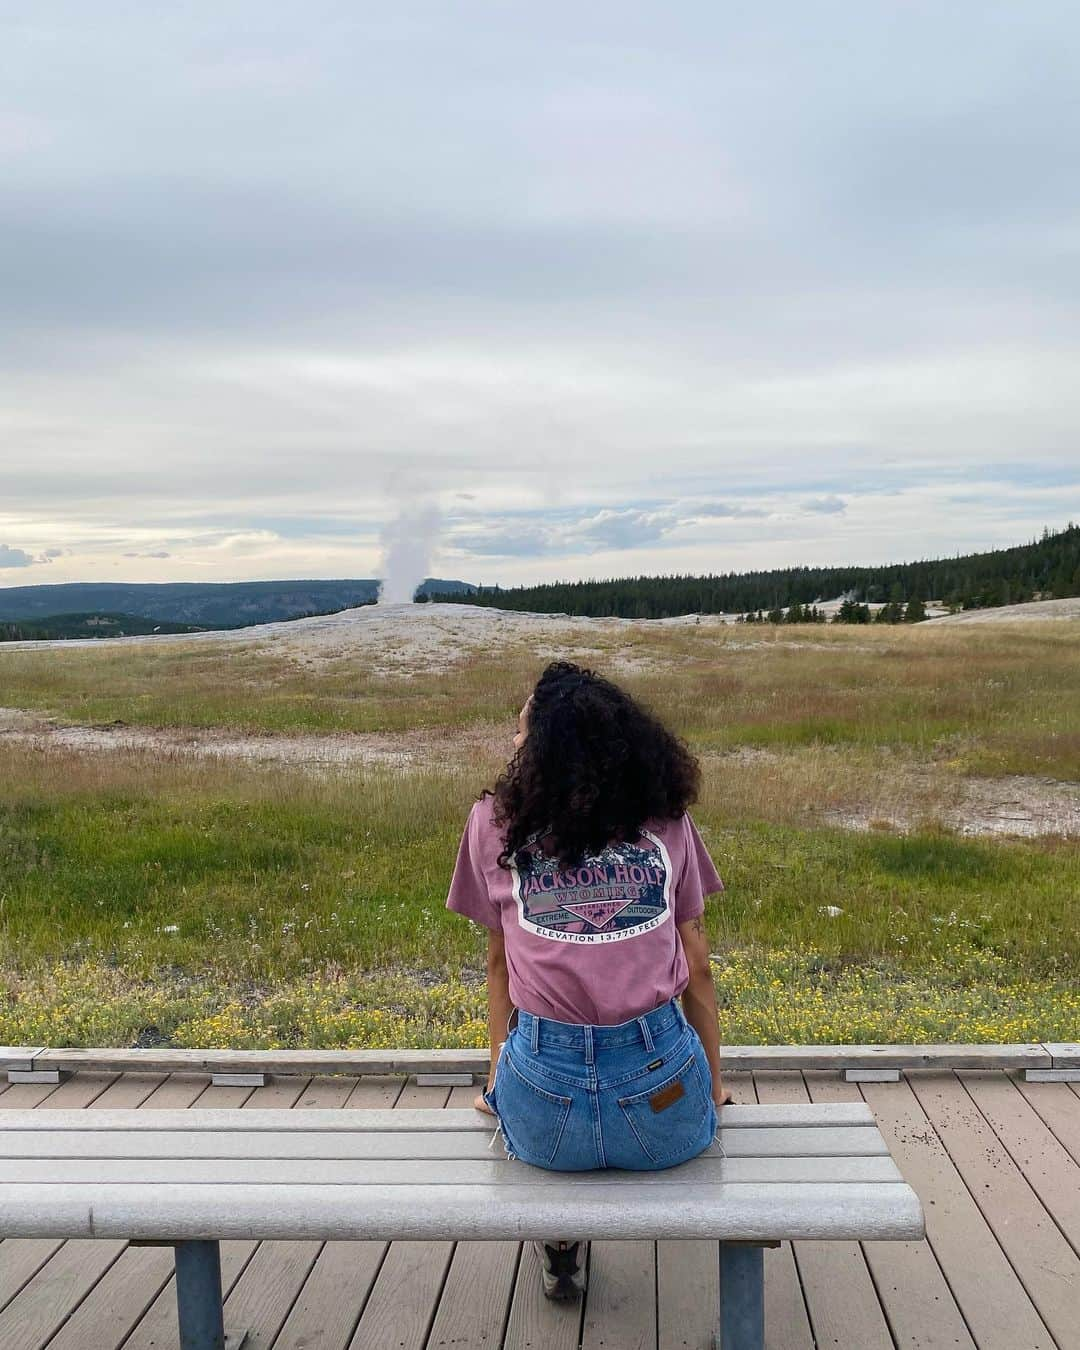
(203, 900)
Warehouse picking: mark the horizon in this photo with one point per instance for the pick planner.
(563, 581)
(536, 294)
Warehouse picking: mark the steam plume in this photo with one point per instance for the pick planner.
(408, 543)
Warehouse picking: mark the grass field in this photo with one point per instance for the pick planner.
(156, 898)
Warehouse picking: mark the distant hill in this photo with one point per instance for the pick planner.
(1047, 568)
(88, 626)
(229, 604)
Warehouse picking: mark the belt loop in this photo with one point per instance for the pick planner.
(645, 1033)
(534, 1027)
(589, 1057)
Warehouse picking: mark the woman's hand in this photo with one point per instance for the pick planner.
(481, 1105)
(723, 1098)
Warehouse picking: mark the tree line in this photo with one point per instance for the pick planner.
(1047, 568)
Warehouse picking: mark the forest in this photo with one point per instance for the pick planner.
(1047, 568)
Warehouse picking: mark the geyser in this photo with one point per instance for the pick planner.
(408, 543)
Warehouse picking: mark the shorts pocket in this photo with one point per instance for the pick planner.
(670, 1117)
(531, 1118)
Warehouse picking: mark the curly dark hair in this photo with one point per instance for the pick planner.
(594, 766)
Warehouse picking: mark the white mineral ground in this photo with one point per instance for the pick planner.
(403, 640)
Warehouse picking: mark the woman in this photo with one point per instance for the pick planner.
(590, 877)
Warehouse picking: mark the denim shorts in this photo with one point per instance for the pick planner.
(572, 1097)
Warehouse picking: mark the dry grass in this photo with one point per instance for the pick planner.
(988, 700)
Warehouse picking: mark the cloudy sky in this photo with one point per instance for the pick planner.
(566, 290)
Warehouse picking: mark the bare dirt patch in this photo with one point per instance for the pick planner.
(1018, 805)
(415, 749)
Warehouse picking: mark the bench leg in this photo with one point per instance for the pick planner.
(742, 1297)
(198, 1296)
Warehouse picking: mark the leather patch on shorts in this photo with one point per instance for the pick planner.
(667, 1097)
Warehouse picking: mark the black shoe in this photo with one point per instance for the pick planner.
(562, 1269)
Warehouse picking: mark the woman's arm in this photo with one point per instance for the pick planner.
(699, 1000)
(499, 1005)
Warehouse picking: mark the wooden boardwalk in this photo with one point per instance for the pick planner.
(996, 1162)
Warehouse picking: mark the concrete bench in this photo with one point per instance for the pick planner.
(191, 1178)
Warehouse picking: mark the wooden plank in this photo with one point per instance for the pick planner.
(107, 1316)
(913, 1293)
(840, 1297)
(1064, 1054)
(328, 1308)
(24, 1097)
(305, 1063)
(1058, 1108)
(1048, 1268)
(47, 1301)
(535, 1322)
(993, 1303)
(128, 1092)
(213, 1098)
(263, 1296)
(76, 1094)
(687, 1295)
(1045, 1164)
(799, 1057)
(18, 1056)
(621, 1306)
(375, 1093)
(475, 1300)
(20, 1261)
(327, 1092)
(496, 1174)
(475, 1061)
(401, 1307)
(178, 1091)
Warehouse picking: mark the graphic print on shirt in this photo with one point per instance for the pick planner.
(608, 897)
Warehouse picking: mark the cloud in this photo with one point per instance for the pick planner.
(728, 510)
(609, 529)
(825, 506)
(600, 308)
(156, 553)
(15, 557)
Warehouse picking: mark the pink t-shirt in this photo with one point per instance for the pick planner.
(597, 943)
